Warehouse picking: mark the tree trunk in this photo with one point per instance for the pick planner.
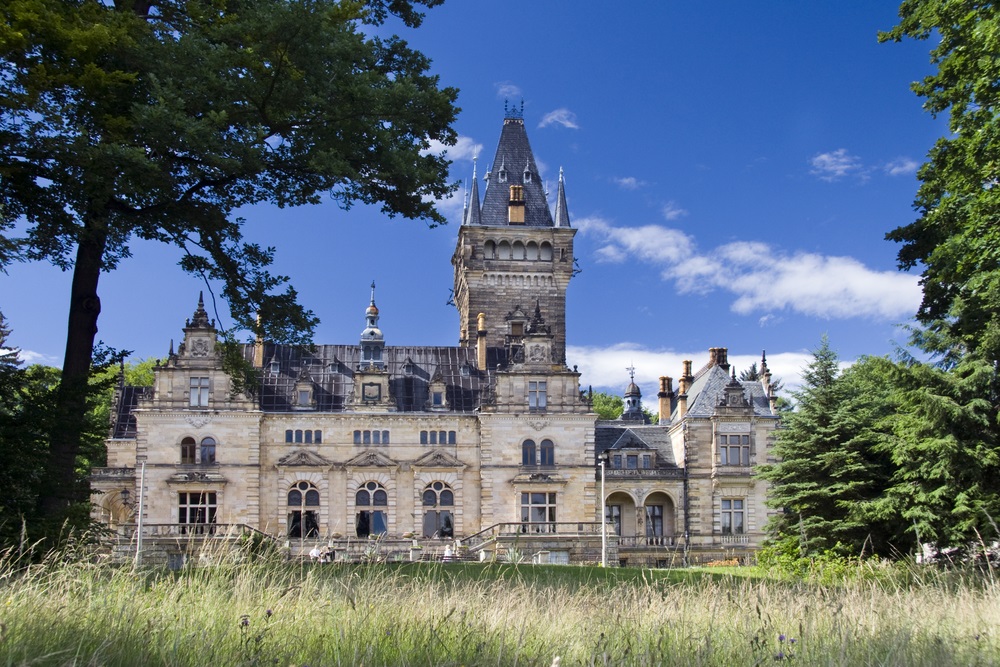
(62, 488)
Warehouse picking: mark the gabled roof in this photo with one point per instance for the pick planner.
(611, 435)
(514, 156)
(709, 388)
(370, 459)
(304, 458)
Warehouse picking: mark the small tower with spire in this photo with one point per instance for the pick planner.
(372, 342)
(633, 401)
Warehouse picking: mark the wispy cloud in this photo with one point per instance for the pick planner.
(762, 278)
(464, 149)
(628, 182)
(901, 166)
(563, 117)
(604, 367)
(30, 358)
(507, 90)
(834, 165)
(671, 211)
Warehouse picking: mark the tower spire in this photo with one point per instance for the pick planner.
(562, 212)
(472, 214)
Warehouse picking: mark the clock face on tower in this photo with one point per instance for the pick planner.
(371, 391)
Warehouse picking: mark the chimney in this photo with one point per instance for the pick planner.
(722, 357)
(712, 356)
(258, 347)
(683, 385)
(666, 388)
(515, 207)
(481, 341)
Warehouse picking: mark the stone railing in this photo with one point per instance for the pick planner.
(739, 538)
(642, 473)
(112, 473)
(647, 541)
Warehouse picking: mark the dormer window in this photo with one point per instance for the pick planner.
(273, 368)
(502, 175)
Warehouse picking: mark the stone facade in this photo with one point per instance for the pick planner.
(488, 442)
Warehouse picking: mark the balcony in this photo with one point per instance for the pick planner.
(642, 473)
(646, 541)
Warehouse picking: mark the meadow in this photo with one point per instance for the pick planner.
(276, 613)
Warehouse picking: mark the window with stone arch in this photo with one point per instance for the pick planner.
(517, 250)
(372, 505)
(545, 251)
(489, 250)
(439, 507)
(303, 510)
(189, 451)
(528, 453)
(207, 451)
(531, 251)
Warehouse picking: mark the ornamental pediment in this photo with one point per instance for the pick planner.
(196, 477)
(303, 458)
(438, 458)
(629, 440)
(371, 459)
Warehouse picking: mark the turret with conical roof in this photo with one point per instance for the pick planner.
(512, 251)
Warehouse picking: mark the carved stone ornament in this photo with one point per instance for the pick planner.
(539, 424)
(733, 427)
(198, 421)
(199, 348)
(537, 353)
(304, 458)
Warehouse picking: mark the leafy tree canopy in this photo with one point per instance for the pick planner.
(607, 406)
(956, 241)
(157, 119)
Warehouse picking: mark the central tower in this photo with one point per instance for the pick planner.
(514, 257)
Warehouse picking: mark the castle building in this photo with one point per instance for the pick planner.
(490, 443)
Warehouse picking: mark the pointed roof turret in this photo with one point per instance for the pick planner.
(514, 149)
(562, 211)
(472, 216)
(633, 401)
(200, 318)
(371, 332)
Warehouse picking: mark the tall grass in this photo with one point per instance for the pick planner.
(463, 614)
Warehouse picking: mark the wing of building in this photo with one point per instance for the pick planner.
(405, 450)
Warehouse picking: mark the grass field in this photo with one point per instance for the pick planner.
(272, 613)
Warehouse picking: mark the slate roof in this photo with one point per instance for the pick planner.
(513, 155)
(124, 424)
(331, 370)
(610, 435)
(708, 389)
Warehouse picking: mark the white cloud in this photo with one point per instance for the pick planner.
(507, 90)
(628, 182)
(604, 368)
(834, 165)
(671, 211)
(563, 117)
(901, 166)
(29, 358)
(762, 279)
(464, 149)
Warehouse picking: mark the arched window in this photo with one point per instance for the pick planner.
(528, 453)
(303, 510)
(207, 451)
(490, 250)
(372, 503)
(545, 251)
(548, 453)
(188, 451)
(531, 250)
(298, 435)
(503, 250)
(439, 503)
(517, 250)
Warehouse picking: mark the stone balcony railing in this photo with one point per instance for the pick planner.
(641, 473)
(643, 541)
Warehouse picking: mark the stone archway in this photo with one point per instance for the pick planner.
(619, 509)
(659, 519)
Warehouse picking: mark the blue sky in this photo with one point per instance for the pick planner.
(732, 168)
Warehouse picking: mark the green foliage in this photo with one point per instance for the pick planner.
(607, 406)
(956, 242)
(831, 468)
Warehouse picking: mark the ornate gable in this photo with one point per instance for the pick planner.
(371, 459)
(303, 458)
(438, 458)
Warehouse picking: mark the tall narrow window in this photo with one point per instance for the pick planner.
(548, 453)
(537, 398)
(654, 520)
(188, 451)
(303, 510)
(732, 516)
(613, 515)
(528, 453)
(372, 503)
(198, 509)
(199, 392)
(439, 504)
(207, 451)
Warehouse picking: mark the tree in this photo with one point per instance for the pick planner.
(956, 241)
(607, 406)
(156, 119)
